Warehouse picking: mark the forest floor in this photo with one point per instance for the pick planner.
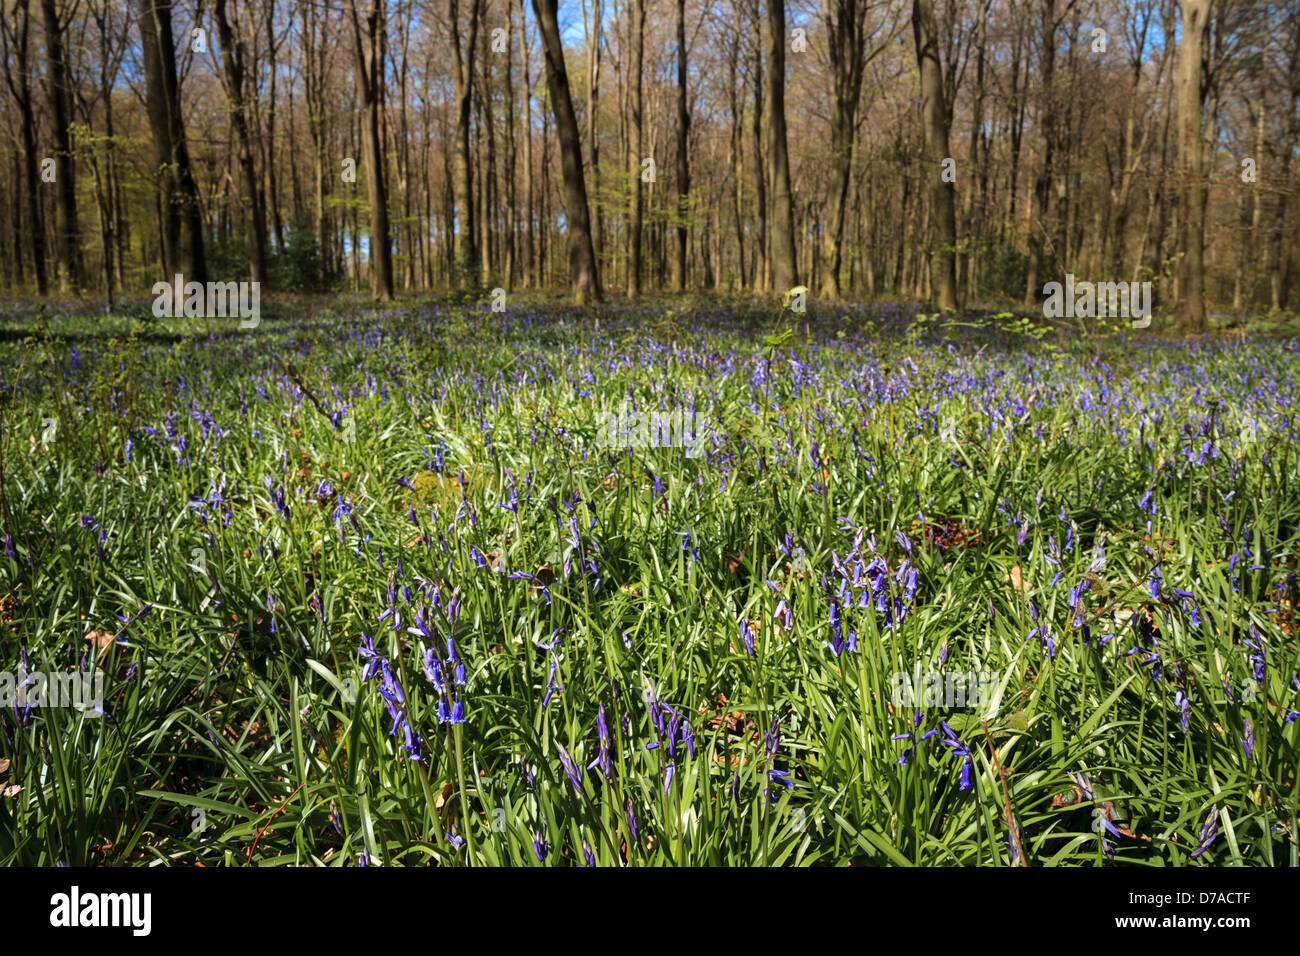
(683, 582)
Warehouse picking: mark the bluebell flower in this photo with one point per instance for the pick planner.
(1184, 709)
(1209, 832)
(958, 749)
(782, 777)
(603, 757)
(631, 822)
(571, 769)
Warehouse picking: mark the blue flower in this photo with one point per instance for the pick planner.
(958, 749)
(1209, 832)
(571, 769)
(631, 822)
(603, 757)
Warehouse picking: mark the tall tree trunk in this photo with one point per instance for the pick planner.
(978, 141)
(273, 189)
(530, 246)
(583, 275)
(1191, 91)
(846, 44)
(369, 65)
(762, 252)
(1280, 158)
(314, 46)
(734, 98)
(683, 169)
(410, 250)
(1042, 199)
(636, 31)
(487, 179)
(18, 79)
(784, 270)
(59, 94)
(467, 251)
(182, 219)
(512, 226)
(934, 115)
(232, 59)
(544, 266)
(593, 124)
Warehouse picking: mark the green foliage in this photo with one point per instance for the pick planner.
(990, 455)
(1006, 272)
(227, 258)
(299, 267)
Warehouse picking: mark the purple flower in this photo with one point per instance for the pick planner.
(958, 749)
(631, 822)
(1184, 708)
(571, 769)
(1209, 832)
(603, 758)
(772, 739)
(552, 685)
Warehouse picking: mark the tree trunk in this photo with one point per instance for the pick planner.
(636, 31)
(466, 235)
(512, 227)
(846, 44)
(182, 239)
(934, 115)
(369, 64)
(683, 170)
(785, 273)
(273, 197)
(232, 59)
(593, 125)
(583, 275)
(762, 256)
(487, 179)
(530, 247)
(734, 96)
(1191, 89)
(59, 95)
(19, 81)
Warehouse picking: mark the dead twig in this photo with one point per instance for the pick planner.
(1006, 797)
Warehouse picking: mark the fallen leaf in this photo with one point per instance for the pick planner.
(1016, 580)
(101, 639)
